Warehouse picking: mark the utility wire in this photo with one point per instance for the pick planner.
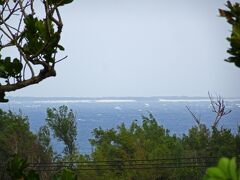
(133, 164)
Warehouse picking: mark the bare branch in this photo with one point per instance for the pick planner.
(219, 108)
(197, 120)
(61, 59)
(10, 14)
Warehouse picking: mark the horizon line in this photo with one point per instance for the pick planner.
(104, 97)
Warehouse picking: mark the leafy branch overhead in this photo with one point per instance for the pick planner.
(33, 34)
(233, 18)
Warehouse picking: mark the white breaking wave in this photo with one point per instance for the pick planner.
(83, 101)
(194, 100)
(147, 105)
(33, 106)
(115, 100)
(118, 108)
(62, 101)
(82, 120)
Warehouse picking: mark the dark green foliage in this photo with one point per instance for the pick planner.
(137, 142)
(45, 139)
(146, 141)
(40, 39)
(10, 68)
(197, 138)
(59, 2)
(223, 143)
(152, 141)
(65, 174)
(216, 142)
(63, 124)
(16, 138)
(15, 129)
(233, 18)
(2, 97)
(17, 169)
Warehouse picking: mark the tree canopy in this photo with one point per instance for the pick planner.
(63, 124)
(35, 39)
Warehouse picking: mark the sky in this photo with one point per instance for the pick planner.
(119, 48)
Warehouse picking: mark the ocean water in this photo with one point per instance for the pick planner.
(171, 112)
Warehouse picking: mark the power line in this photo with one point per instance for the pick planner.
(133, 164)
(130, 160)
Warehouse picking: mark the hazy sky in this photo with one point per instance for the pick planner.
(142, 48)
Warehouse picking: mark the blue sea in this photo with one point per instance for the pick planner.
(171, 112)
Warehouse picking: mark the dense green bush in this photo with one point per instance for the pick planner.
(152, 141)
(16, 138)
(118, 148)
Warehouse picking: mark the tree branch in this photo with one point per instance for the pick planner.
(34, 80)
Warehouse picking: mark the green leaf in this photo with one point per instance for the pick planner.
(210, 178)
(7, 60)
(61, 47)
(215, 172)
(59, 2)
(233, 169)
(237, 63)
(223, 165)
(2, 97)
(17, 66)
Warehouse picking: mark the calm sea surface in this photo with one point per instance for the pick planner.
(110, 112)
